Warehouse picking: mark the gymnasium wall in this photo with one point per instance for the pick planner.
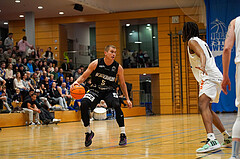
(108, 31)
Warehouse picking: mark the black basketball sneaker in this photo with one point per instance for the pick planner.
(123, 139)
(88, 139)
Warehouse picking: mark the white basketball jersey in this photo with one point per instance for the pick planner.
(237, 42)
(210, 67)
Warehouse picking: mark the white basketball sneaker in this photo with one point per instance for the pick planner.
(209, 146)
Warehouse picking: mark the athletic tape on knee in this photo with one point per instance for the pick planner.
(236, 128)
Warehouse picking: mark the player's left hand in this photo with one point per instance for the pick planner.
(129, 103)
(202, 69)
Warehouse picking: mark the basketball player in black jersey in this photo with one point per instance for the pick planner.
(104, 72)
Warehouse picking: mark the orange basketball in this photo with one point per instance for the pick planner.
(77, 92)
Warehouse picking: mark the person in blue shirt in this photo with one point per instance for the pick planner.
(30, 66)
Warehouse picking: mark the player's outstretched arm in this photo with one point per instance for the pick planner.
(123, 85)
(229, 42)
(196, 48)
(92, 66)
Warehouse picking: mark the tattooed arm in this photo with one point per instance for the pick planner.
(229, 42)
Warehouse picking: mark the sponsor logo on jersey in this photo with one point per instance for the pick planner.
(101, 66)
(113, 68)
(106, 77)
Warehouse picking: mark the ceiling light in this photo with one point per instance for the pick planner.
(137, 42)
(127, 25)
(133, 31)
(144, 74)
(154, 37)
(21, 15)
(0, 10)
(5, 23)
(40, 7)
(148, 24)
(130, 33)
(17, 1)
(61, 13)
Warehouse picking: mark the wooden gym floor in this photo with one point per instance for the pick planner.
(166, 136)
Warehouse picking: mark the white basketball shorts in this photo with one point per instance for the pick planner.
(212, 89)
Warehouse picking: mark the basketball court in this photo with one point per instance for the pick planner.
(166, 136)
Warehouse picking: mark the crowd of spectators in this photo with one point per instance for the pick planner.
(136, 59)
(34, 79)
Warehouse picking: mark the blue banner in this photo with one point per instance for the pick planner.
(219, 15)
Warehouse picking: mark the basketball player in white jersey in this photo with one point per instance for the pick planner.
(209, 77)
(233, 35)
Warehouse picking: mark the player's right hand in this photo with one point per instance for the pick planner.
(74, 83)
(226, 82)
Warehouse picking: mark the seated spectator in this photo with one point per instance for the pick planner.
(13, 57)
(30, 66)
(64, 93)
(77, 74)
(3, 99)
(30, 93)
(25, 62)
(35, 64)
(48, 72)
(15, 51)
(17, 96)
(42, 100)
(38, 74)
(34, 80)
(28, 76)
(68, 83)
(49, 56)
(56, 96)
(9, 78)
(44, 74)
(64, 65)
(71, 80)
(3, 70)
(26, 83)
(51, 66)
(7, 54)
(51, 80)
(18, 61)
(126, 58)
(30, 106)
(60, 81)
(17, 82)
(9, 72)
(55, 73)
(60, 73)
(45, 116)
(21, 70)
(40, 65)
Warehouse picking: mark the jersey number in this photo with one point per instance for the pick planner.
(210, 55)
(103, 82)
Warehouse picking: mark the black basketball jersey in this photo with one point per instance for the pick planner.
(104, 77)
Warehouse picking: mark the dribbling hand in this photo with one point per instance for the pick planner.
(74, 83)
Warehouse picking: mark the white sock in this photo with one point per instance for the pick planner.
(225, 134)
(235, 148)
(122, 129)
(211, 136)
(88, 129)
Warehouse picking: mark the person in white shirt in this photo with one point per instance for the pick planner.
(233, 35)
(209, 78)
